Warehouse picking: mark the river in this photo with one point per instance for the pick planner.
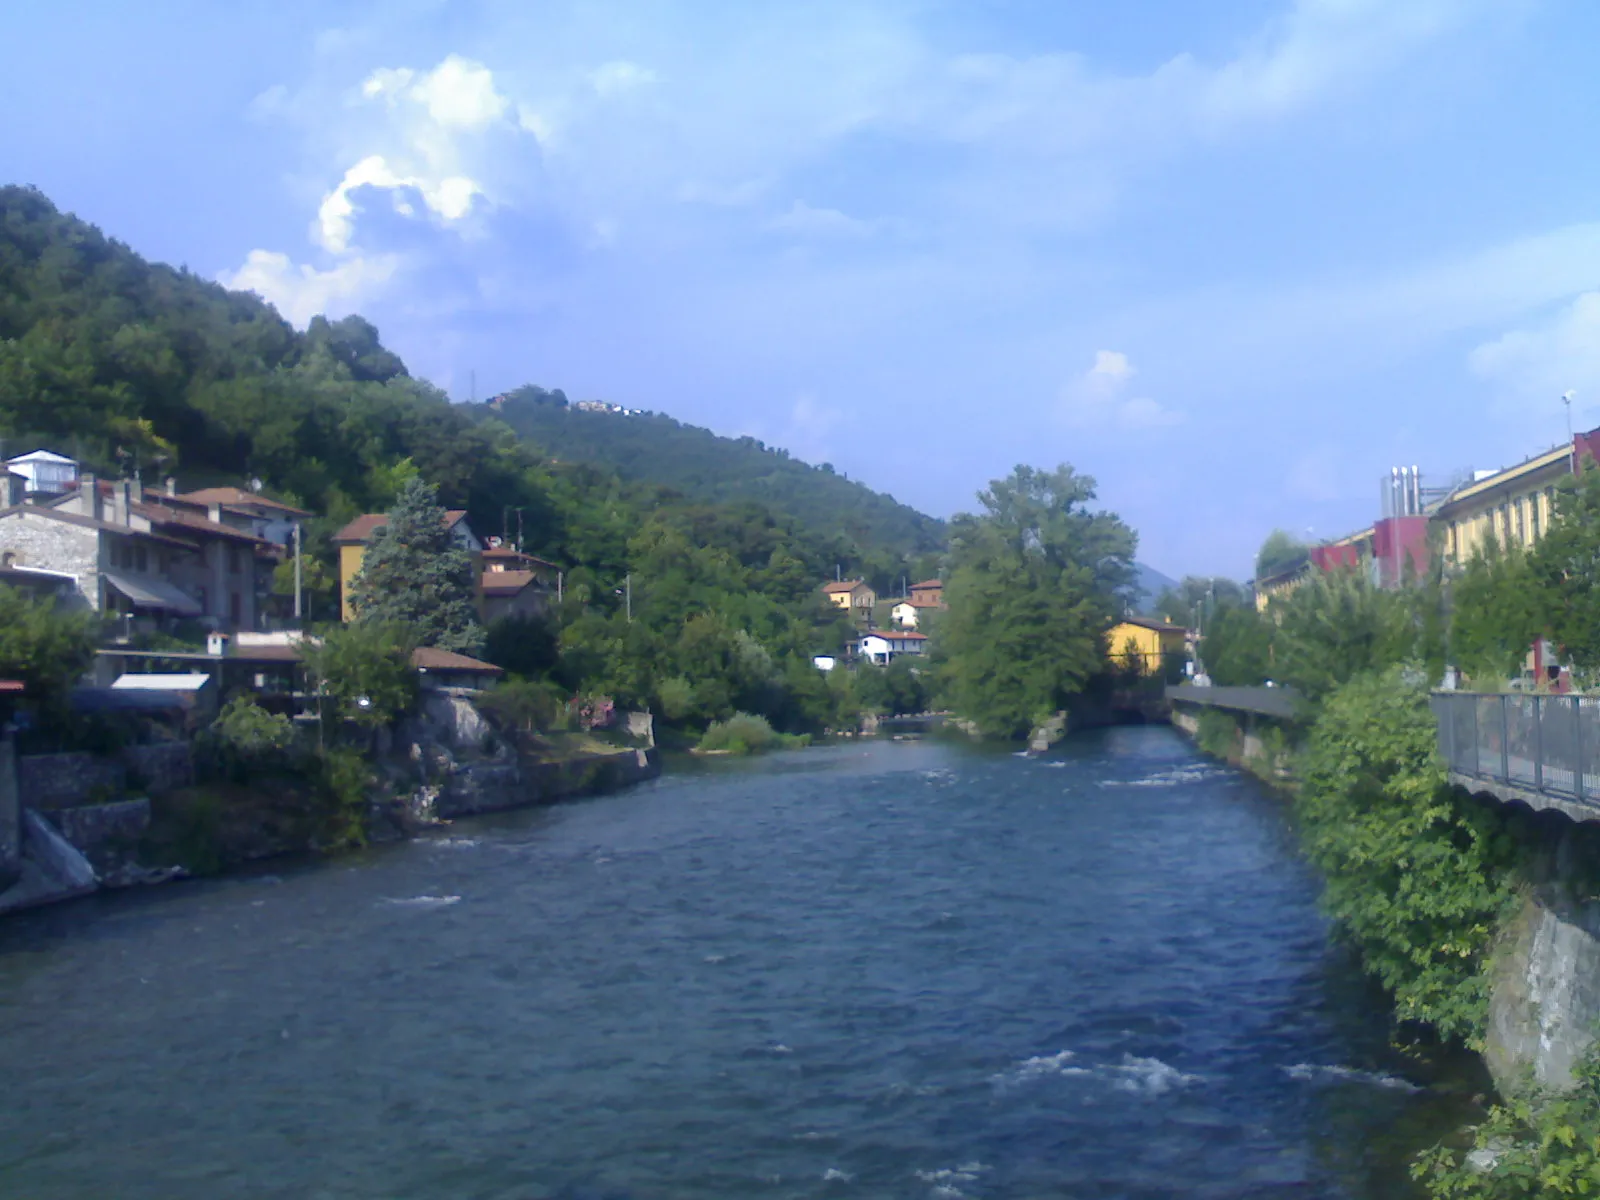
(902, 969)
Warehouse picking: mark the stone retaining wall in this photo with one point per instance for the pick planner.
(105, 834)
(494, 787)
(160, 768)
(52, 781)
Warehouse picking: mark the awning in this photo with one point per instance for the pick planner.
(154, 593)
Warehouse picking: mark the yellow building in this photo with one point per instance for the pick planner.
(852, 595)
(1516, 504)
(1152, 638)
(355, 537)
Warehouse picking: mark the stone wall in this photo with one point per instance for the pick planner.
(52, 781)
(160, 768)
(496, 786)
(52, 545)
(106, 834)
(10, 815)
(1545, 1003)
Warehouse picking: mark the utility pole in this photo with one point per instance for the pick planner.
(298, 611)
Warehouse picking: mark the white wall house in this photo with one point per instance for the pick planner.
(46, 472)
(884, 645)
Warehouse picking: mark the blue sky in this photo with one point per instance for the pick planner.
(1234, 259)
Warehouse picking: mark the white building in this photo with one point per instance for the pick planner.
(884, 645)
(46, 472)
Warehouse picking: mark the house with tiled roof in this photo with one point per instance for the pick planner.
(852, 595)
(127, 557)
(883, 646)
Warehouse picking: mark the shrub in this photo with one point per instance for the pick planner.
(1416, 876)
(746, 733)
(1535, 1145)
(246, 738)
(525, 705)
(341, 780)
(1218, 733)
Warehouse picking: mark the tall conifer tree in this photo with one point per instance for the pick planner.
(414, 574)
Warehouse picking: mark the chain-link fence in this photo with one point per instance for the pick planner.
(1543, 743)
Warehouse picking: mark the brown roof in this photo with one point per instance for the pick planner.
(361, 530)
(238, 498)
(162, 515)
(10, 687)
(920, 602)
(506, 583)
(927, 583)
(431, 658)
(847, 585)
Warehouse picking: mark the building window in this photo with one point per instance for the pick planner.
(141, 558)
(1505, 524)
(233, 560)
(236, 609)
(205, 602)
(1522, 529)
(1533, 517)
(1455, 541)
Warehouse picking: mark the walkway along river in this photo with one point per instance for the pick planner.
(867, 970)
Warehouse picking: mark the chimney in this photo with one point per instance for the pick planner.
(214, 511)
(172, 485)
(119, 503)
(136, 492)
(89, 490)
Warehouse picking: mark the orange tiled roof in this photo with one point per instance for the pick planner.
(238, 498)
(364, 527)
(846, 585)
(431, 658)
(506, 583)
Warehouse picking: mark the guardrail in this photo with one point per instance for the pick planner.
(1546, 744)
(1282, 703)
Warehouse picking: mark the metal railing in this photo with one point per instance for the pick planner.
(1279, 702)
(1547, 744)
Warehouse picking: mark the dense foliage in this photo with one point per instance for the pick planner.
(872, 534)
(415, 574)
(1533, 1145)
(747, 733)
(1415, 876)
(101, 351)
(362, 672)
(44, 647)
(1495, 617)
(1565, 567)
(1035, 581)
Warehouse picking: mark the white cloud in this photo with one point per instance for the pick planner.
(806, 221)
(1534, 366)
(450, 199)
(1098, 399)
(302, 292)
(615, 78)
(460, 94)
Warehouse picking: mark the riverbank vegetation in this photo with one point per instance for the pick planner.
(747, 733)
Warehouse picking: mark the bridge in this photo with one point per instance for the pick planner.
(1542, 751)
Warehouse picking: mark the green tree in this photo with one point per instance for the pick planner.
(1280, 552)
(1193, 601)
(1236, 646)
(363, 671)
(46, 648)
(1416, 878)
(1496, 612)
(1565, 566)
(1338, 624)
(415, 574)
(1033, 586)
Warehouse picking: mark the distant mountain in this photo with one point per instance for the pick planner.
(647, 447)
(1148, 584)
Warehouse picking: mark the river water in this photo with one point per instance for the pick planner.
(864, 970)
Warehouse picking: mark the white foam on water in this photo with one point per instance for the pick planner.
(424, 901)
(780, 1048)
(948, 1182)
(1175, 777)
(1039, 1067)
(834, 1175)
(714, 959)
(1148, 1076)
(1312, 1073)
(1055, 764)
(454, 843)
